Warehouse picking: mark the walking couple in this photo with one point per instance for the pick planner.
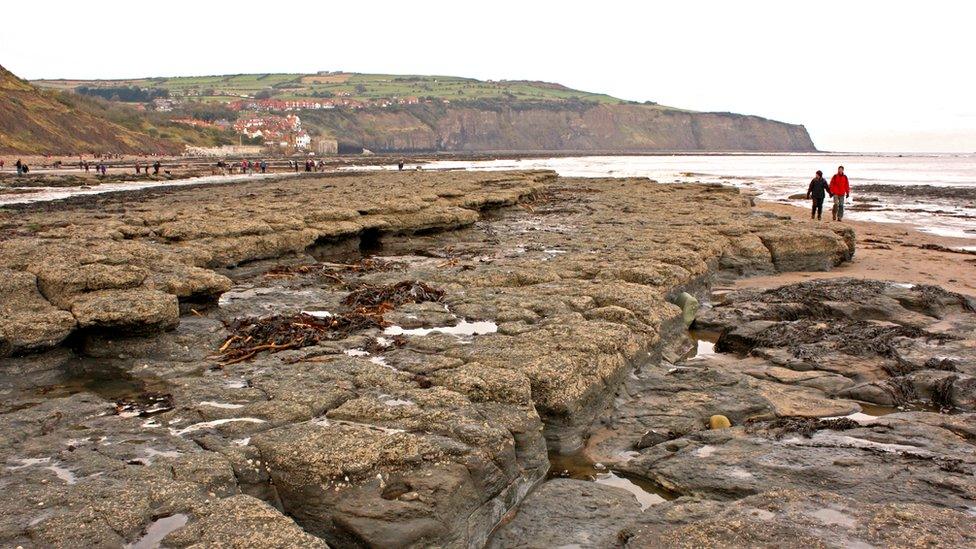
(838, 188)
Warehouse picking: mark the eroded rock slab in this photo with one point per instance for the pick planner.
(426, 431)
(874, 341)
(115, 263)
(891, 459)
(567, 512)
(801, 519)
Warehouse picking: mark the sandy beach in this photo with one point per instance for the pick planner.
(885, 251)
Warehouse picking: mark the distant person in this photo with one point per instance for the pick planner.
(20, 166)
(817, 190)
(138, 167)
(840, 189)
(264, 166)
(400, 165)
(156, 165)
(1, 164)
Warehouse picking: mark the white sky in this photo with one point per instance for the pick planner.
(862, 75)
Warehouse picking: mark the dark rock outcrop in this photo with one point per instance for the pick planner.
(797, 519)
(880, 342)
(566, 512)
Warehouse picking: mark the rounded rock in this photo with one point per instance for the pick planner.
(719, 422)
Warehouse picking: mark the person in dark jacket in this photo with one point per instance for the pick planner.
(817, 190)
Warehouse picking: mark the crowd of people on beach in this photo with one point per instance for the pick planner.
(839, 189)
(22, 167)
(246, 166)
(145, 169)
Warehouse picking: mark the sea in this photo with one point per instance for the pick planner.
(934, 192)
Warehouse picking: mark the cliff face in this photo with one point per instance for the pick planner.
(620, 128)
(35, 122)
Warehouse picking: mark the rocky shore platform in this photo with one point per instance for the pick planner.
(410, 359)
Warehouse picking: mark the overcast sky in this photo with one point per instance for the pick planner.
(861, 75)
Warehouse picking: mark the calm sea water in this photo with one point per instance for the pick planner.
(777, 177)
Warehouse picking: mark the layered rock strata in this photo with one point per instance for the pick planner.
(426, 432)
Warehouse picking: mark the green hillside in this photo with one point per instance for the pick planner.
(363, 87)
(34, 121)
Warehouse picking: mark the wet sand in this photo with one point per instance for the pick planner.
(887, 251)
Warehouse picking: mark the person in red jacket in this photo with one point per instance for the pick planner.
(840, 189)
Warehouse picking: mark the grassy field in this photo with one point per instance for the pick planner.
(358, 86)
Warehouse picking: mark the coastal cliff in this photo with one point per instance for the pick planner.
(483, 126)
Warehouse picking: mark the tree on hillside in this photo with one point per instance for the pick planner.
(125, 94)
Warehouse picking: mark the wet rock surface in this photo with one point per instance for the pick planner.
(802, 372)
(426, 428)
(878, 342)
(893, 459)
(553, 516)
(799, 519)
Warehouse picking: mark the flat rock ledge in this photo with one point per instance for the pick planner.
(425, 433)
(114, 267)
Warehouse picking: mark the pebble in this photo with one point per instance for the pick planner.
(719, 422)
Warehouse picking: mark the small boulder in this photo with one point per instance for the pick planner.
(689, 307)
(653, 438)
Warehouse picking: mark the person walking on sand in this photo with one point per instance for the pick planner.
(817, 190)
(20, 166)
(840, 189)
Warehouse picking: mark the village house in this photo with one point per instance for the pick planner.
(163, 105)
(279, 131)
(193, 122)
